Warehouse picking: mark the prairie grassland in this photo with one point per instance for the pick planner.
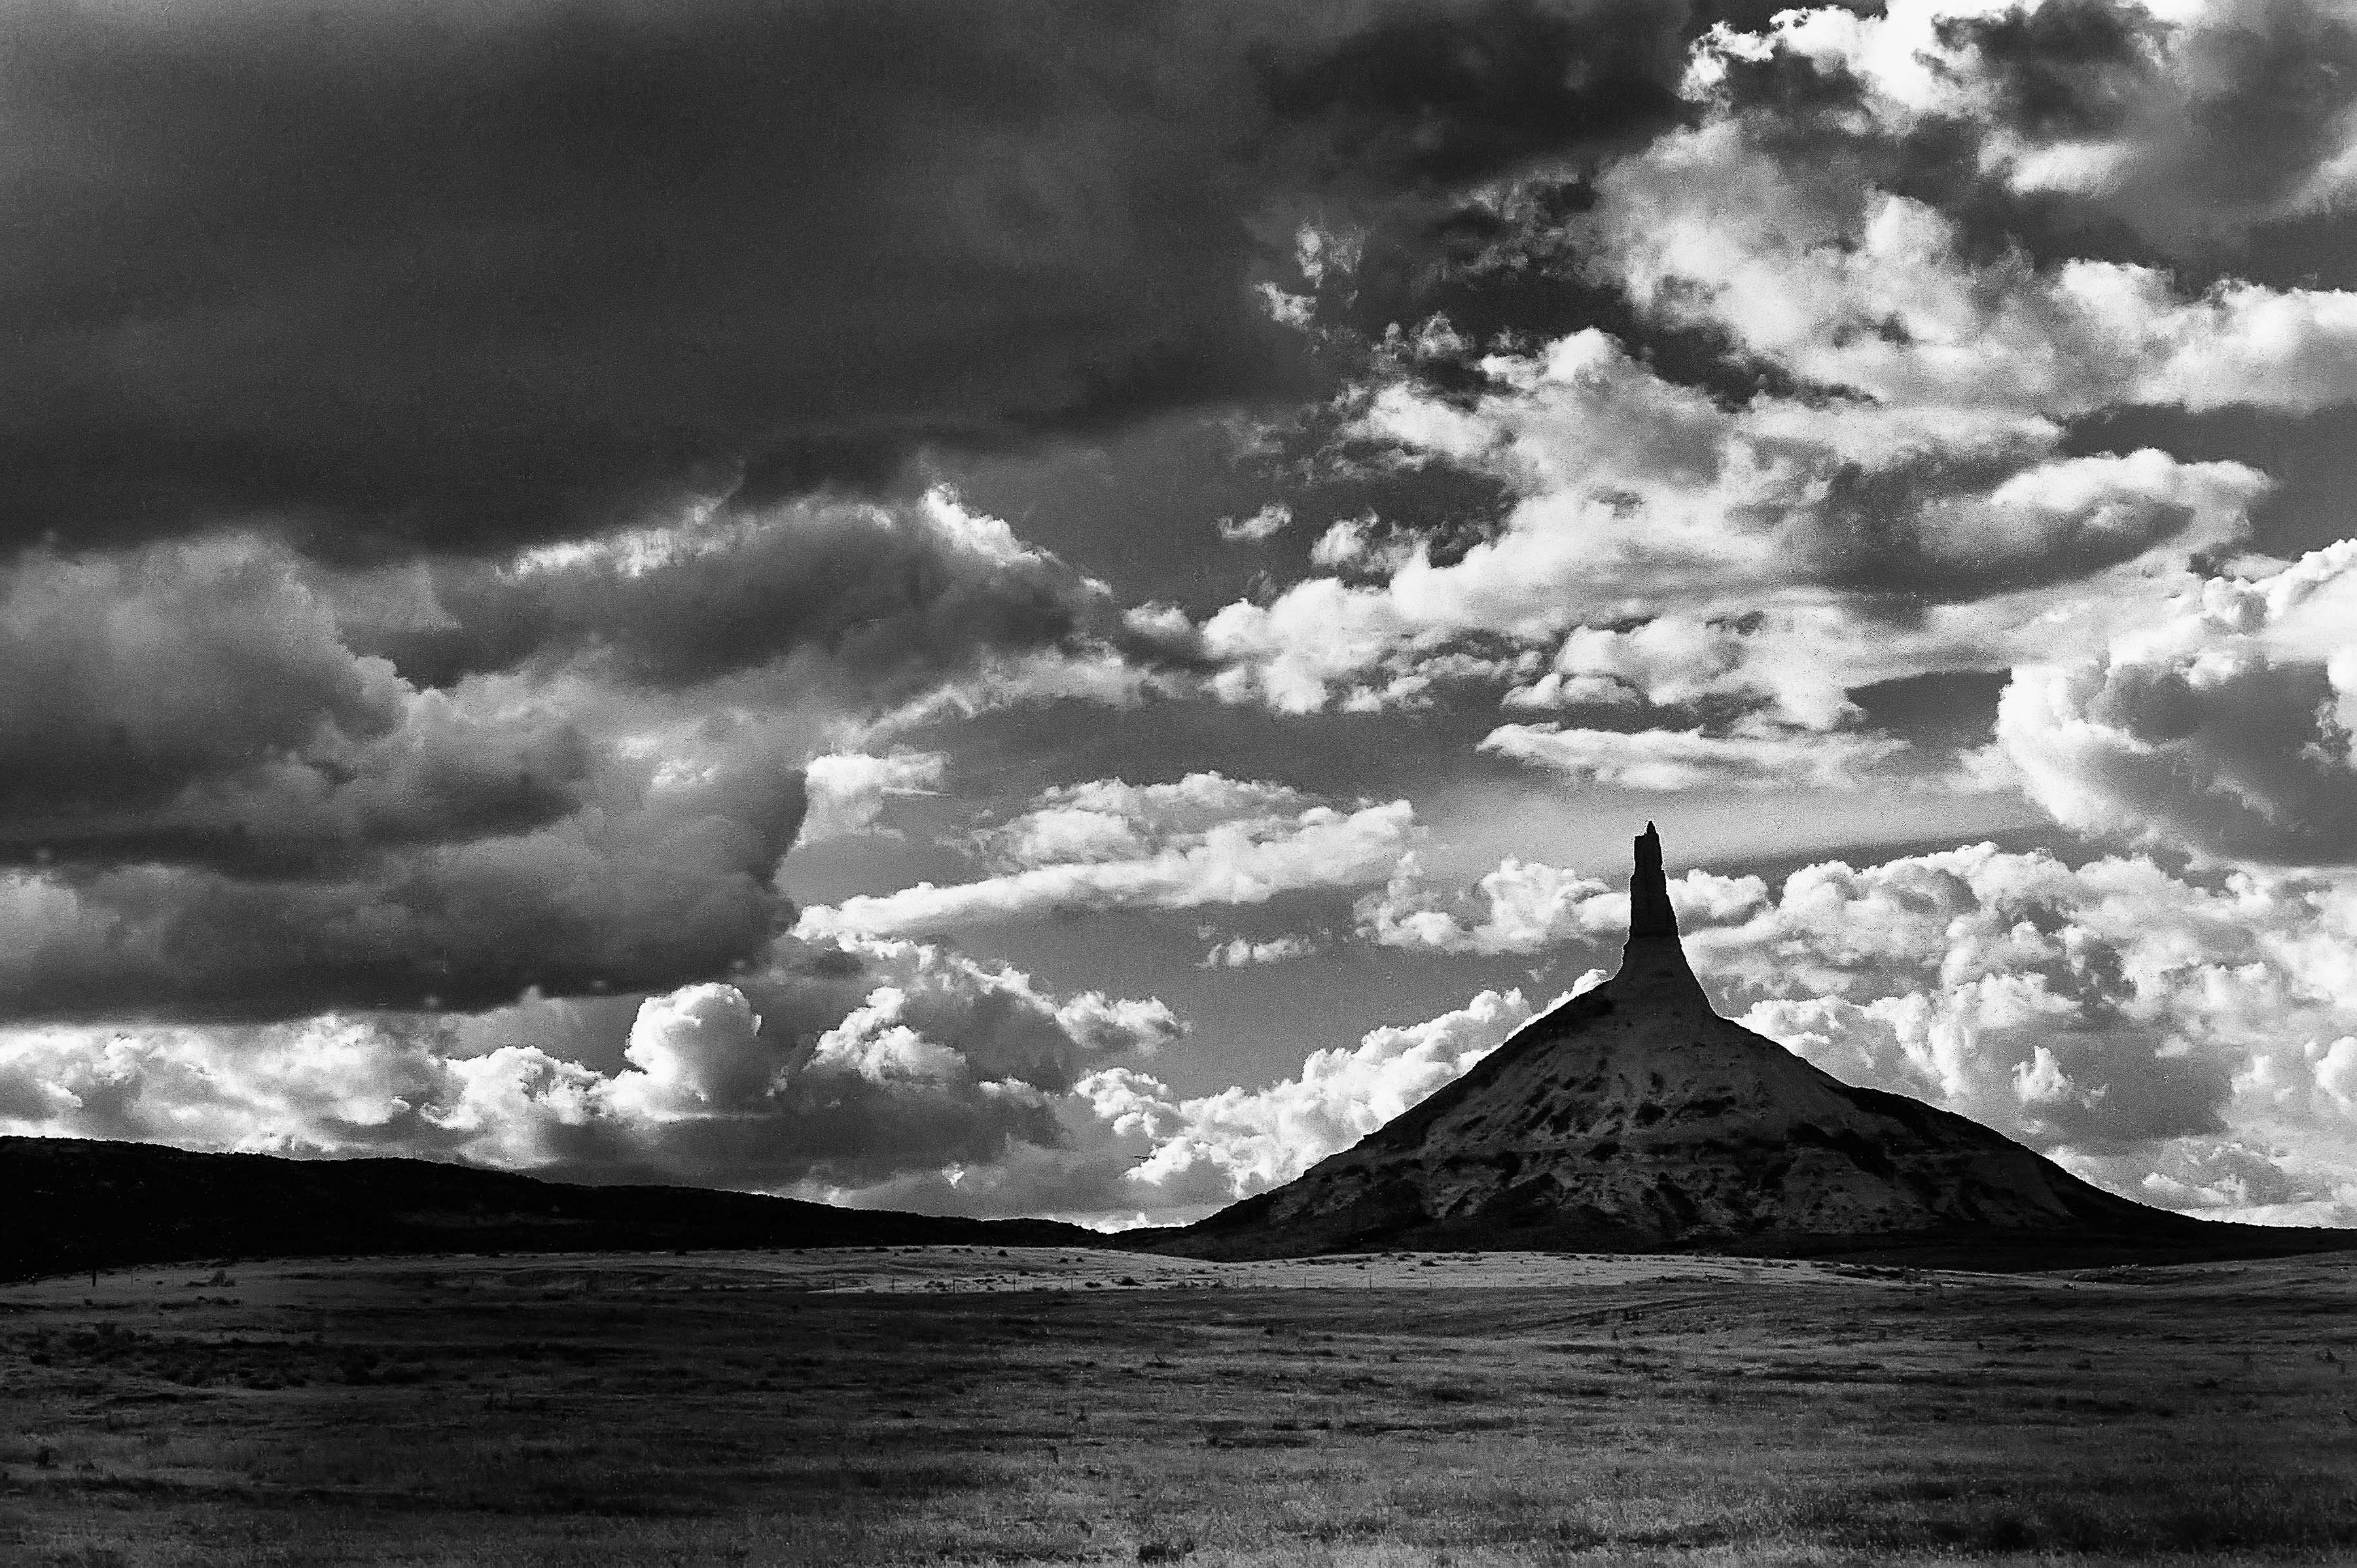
(972, 1407)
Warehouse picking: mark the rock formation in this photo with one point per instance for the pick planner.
(1633, 1117)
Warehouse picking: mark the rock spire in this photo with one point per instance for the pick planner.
(1655, 961)
(1649, 914)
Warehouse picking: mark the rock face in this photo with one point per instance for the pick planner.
(1633, 1117)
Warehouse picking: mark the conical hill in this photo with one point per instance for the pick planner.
(1633, 1117)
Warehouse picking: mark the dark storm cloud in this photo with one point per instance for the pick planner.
(653, 888)
(895, 598)
(1444, 96)
(197, 702)
(1815, 115)
(2230, 123)
(224, 701)
(446, 778)
(222, 798)
(2069, 69)
(214, 807)
(1890, 535)
(449, 277)
(128, 677)
(2272, 85)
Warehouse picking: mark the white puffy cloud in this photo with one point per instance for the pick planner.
(1239, 953)
(1528, 906)
(1671, 550)
(1678, 660)
(330, 1084)
(696, 1051)
(1352, 545)
(1133, 1150)
(835, 1064)
(1898, 493)
(1208, 1150)
(1108, 845)
(1261, 526)
(1869, 291)
(2126, 1019)
(847, 790)
(874, 1041)
(2223, 727)
(1119, 1022)
(949, 1083)
(1110, 819)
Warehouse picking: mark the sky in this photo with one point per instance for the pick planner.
(1061, 607)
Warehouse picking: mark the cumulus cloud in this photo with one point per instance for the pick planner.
(2223, 728)
(879, 601)
(1681, 661)
(1244, 952)
(1110, 819)
(847, 790)
(1528, 906)
(1140, 1152)
(1108, 845)
(696, 1051)
(842, 1064)
(1260, 527)
(1878, 469)
(1872, 292)
(666, 875)
(327, 1084)
(1134, 1151)
(1213, 1149)
(2123, 1017)
(1666, 549)
(931, 1063)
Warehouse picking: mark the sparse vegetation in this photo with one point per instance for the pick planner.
(494, 1414)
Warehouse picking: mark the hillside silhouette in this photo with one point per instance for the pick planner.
(78, 1203)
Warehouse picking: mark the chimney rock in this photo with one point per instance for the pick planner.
(1649, 914)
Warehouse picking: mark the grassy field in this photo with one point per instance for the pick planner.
(958, 1406)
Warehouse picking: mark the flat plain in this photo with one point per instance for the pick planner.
(955, 1405)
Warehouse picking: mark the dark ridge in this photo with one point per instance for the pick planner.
(77, 1203)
